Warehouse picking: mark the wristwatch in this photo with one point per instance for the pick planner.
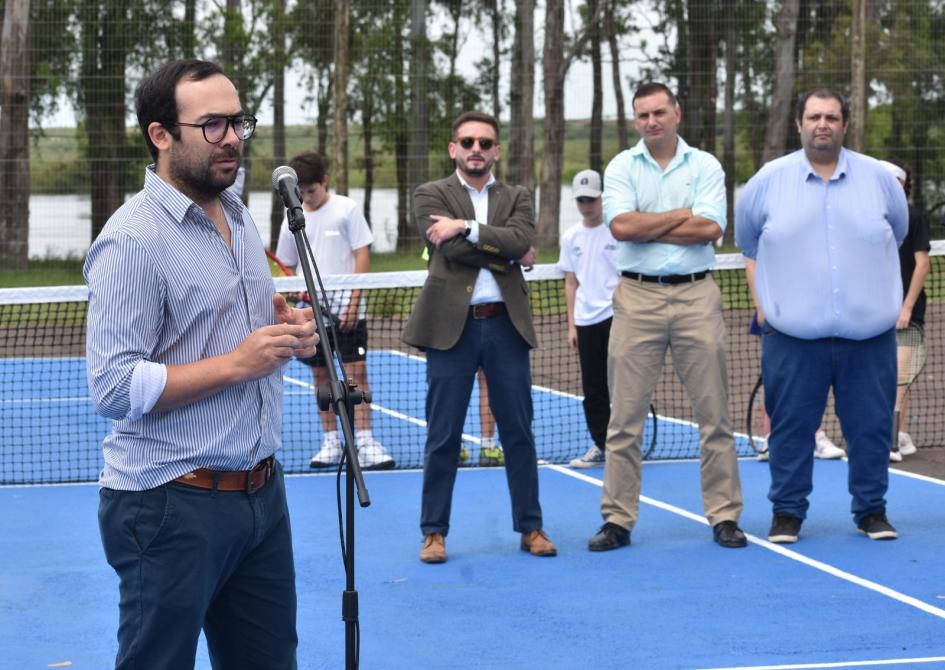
(468, 228)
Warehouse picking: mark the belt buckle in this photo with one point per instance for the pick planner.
(659, 280)
(263, 466)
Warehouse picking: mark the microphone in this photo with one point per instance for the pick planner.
(285, 182)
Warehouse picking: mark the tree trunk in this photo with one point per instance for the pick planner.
(323, 103)
(858, 95)
(105, 32)
(496, 12)
(419, 119)
(623, 140)
(521, 163)
(189, 29)
(699, 107)
(406, 229)
(779, 117)
(367, 123)
(595, 153)
(554, 69)
(14, 135)
(728, 117)
(277, 211)
(339, 168)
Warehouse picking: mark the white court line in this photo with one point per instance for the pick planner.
(843, 664)
(778, 549)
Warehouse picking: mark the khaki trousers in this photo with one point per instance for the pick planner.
(687, 319)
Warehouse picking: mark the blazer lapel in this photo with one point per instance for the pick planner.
(460, 198)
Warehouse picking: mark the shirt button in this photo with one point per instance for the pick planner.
(469, 289)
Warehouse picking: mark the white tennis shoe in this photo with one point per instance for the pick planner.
(906, 445)
(329, 454)
(825, 448)
(371, 453)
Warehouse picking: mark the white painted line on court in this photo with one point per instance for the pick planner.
(842, 664)
(778, 549)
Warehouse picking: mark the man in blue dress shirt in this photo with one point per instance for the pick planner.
(823, 225)
(665, 203)
(185, 348)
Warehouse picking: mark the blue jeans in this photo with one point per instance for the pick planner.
(189, 559)
(797, 377)
(496, 346)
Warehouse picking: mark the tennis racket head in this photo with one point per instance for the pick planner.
(280, 269)
(911, 354)
(757, 420)
(654, 426)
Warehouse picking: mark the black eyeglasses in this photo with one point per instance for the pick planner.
(585, 200)
(216, 127)
(485, 143)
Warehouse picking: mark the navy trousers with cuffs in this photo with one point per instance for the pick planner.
(496, 346)
(797, 375)
(189, 559)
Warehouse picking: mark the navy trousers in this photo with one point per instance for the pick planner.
(496, 346)
(797, 377)
(190, 559)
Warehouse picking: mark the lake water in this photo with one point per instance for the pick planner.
(60, 225)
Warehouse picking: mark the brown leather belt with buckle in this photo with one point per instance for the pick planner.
(666, 279)
(239, 480)
(486, 310)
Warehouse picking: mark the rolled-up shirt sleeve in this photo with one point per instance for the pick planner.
(126, 298)
(709, 200)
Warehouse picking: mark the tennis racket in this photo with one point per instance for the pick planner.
(653, 427)
(911, 355)
(757, 420)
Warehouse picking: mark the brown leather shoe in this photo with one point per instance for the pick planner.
(434, 549)
(537, 544)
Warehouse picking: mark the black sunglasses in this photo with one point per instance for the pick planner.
(484, 142)
(585, 200)
(215, 128)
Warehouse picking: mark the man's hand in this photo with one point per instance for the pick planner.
(444, 228)
(349, 318)
(905, 317)
(572, 337)
(268, 348)
(528, 260)
(297, 317)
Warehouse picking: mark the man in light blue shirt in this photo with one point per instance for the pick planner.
(823, 225)
(665, 204)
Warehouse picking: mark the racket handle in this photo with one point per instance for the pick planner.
(895, 431)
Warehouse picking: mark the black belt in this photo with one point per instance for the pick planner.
(486, 310)
(667, 279)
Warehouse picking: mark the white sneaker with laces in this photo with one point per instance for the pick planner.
(329, 454)
(371, 453)
(825, 448)
(895, 456)
(906, 445)
(593, 458)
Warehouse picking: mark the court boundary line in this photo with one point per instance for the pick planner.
(835, 664)
(776, 548)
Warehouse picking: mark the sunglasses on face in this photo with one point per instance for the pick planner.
(484, 142)
(585, 200)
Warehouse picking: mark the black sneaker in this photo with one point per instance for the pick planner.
(877, 527)
(728, 534)
(610, 536)
(784, 529)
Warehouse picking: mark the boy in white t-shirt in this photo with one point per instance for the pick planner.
(589, 262)
(339, 236)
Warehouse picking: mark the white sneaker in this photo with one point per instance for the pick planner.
(329, 454)
(761, 444)
(906, 445)
(825, 448)
(371, 454)
(895, 456)
(593, 458)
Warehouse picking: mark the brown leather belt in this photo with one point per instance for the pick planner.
(666, 279)
(238, 480)
(486, 310)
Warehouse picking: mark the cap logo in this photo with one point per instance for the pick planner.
(585, 180)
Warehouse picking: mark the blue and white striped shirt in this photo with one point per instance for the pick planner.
(164, 287)
(826, 251)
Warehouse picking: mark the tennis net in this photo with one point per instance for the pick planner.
(50, 432)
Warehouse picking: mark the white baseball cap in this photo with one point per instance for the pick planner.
(586, 184)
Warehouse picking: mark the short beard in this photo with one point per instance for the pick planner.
(198, 180)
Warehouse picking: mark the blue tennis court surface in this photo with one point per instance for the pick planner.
(671, 600)
(54, 434)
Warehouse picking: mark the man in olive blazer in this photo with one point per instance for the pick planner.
(473, 312)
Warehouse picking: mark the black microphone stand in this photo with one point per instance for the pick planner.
(342, 396)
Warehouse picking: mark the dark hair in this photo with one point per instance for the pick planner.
(907, 187)
(156, 95)
(823, 93)
(310, 168)
(651, 88)
(481, 117)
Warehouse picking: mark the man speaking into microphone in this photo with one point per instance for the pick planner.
(185, 348)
